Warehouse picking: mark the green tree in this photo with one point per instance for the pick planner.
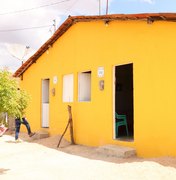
(12, 100)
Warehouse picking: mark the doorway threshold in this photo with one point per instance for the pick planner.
(125, 138)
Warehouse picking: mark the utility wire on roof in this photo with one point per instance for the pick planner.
(30, 9)
(21, 29)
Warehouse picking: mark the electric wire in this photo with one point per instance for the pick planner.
(41, 6)
(30, 9)
(28, 28)
(71, 6)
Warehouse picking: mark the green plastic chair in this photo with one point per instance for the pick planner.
(121, 121)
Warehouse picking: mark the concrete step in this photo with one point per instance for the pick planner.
(40, 135)
(117, 151)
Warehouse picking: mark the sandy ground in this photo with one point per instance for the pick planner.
(41, 160)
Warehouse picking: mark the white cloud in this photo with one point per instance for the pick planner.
(148, 1)
(143, 1)
(34, 18)
(6, 60)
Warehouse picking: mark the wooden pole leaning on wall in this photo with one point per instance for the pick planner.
(70, 122)
(71, 125)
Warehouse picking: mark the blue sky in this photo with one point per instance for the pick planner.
(132, 7)
(20, 14)
(142, 6)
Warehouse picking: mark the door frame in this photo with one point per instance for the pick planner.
(114, 97)
(45, 104)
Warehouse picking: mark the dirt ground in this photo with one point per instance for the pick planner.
(41, 159)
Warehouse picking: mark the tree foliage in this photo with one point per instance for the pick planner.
(12, 100)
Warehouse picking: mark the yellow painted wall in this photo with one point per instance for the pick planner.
(88, 45)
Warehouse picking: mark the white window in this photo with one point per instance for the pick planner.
(68, 88)
(84, 86)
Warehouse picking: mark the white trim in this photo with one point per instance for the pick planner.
(113, 101)
(45, 96)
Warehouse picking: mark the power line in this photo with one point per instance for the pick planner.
(30, 9)
(71, 6)
(21, 29)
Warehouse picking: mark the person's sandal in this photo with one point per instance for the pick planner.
(31, 134)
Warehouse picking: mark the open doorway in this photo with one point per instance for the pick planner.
(124, 102)
(45, 103)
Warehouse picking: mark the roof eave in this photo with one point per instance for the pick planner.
(73, 19)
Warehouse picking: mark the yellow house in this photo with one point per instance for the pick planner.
(102, 65)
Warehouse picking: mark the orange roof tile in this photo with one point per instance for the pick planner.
(73, 19)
